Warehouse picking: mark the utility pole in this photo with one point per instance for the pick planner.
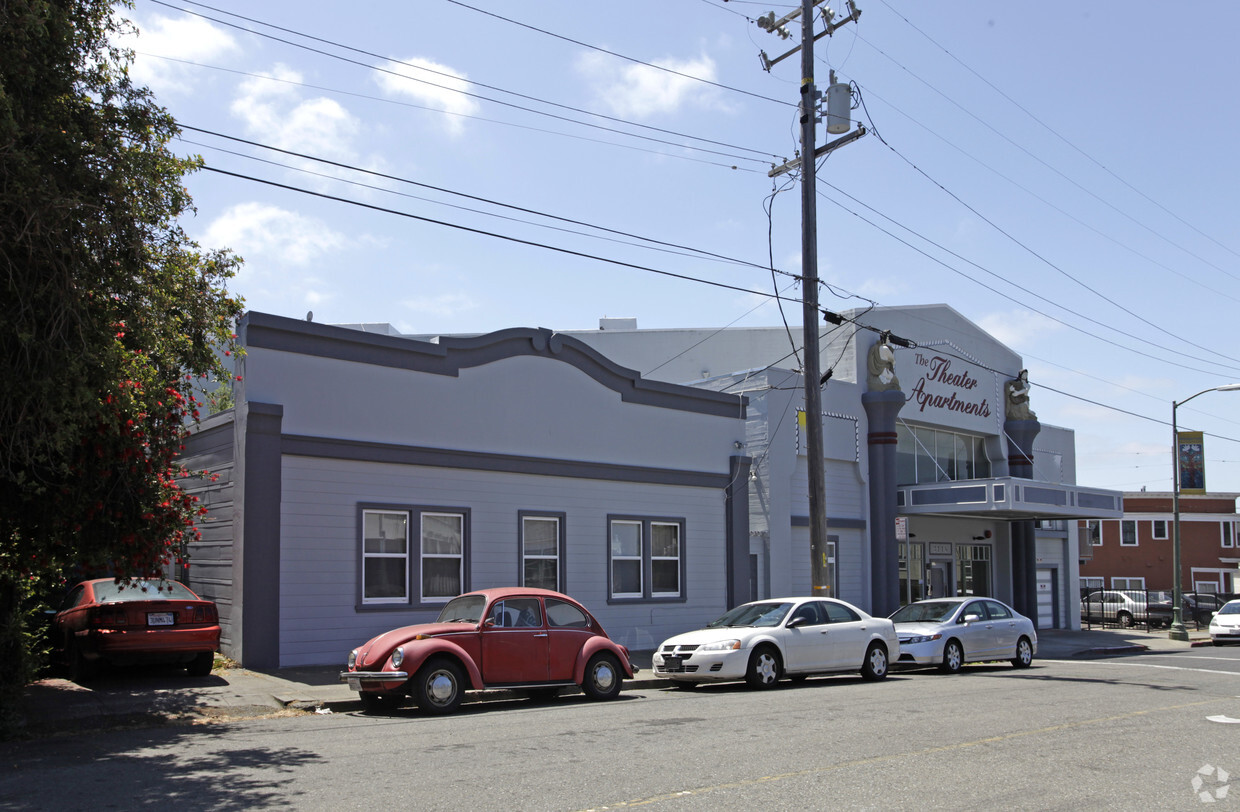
(812, 366)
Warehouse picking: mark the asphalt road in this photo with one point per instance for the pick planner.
(1135, 732)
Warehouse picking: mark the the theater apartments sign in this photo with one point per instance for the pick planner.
(944, 383)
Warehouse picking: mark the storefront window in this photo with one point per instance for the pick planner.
(973, 569)
(912, 566)
(929, 455)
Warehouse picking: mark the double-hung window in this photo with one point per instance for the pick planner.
(645, 558)
(1158, 529)
(413, 556)
(1127, 533)
(542, 547)
(385, 556)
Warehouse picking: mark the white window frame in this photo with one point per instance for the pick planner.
(1227, 529)
(1154, 534)
(425, 556)
(1093, 532)
(1135, 537)
(525, 556)
(368, 556)
(1128, 583)
(1093, 582)
(645, 559)
(613, 557)
(666, 558)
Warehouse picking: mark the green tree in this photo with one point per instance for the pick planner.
(110, 316)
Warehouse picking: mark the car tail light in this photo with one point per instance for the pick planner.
(206, 613)
(109, 616)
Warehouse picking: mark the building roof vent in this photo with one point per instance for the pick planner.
(617, 324)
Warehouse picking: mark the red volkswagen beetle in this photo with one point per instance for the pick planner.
(532, 639)
(151, 621)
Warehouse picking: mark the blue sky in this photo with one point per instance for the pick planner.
(1063, 176)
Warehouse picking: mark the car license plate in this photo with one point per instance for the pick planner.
(159, 618)
(674, 664)
(355, 684)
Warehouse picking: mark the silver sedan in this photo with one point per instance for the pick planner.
(949, 632)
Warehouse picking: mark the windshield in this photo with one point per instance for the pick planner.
(1230, 608)
(465, 609)
(932, 612)
(753, 614)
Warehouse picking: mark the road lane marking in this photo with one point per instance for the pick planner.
(1144, 665)
(862, 762)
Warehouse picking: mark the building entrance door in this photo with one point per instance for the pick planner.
(938, 579)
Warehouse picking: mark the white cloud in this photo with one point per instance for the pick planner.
(1019, 328)
(188, 38)
(444, 304)
(268, 235)
(436, 86)
(642, 91)
(275, 113)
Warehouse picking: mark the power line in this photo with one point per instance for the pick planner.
(619, 55)
(1031, 251)
(766, 156)
(489, 201)
(495, 235)
(1055, 133)
(471, 117)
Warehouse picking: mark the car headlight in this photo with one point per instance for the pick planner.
(352, 659)
(921, 638)
(398, 656)
(722, 645)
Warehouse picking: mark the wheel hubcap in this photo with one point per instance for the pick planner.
(604, 676)
(766, 668)
(441, 687)
(878, 663)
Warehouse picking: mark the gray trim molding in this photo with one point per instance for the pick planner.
(450, 355)
(832, 522)
(364, 451)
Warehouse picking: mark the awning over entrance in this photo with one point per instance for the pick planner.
(1009, 498)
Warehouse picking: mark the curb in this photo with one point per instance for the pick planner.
(355, 704)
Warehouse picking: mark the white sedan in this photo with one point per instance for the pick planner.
(761, 642)
(1225, 625)
(949, 632)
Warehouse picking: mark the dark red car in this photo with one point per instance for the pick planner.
(531, 639)
(151, 621)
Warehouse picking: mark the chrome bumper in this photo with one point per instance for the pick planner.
(360, 677)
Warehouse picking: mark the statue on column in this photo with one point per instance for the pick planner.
(1017, 397)
(881, 365)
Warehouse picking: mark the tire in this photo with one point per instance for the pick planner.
(764, 668)
(953, 657)
(378, 704)
(603, 676)
(439, 686)
(875, 665)
(1024, 653)
(1125, 619)
(81, 670)
(201, 665)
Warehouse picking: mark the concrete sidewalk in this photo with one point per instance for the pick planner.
(168, 696)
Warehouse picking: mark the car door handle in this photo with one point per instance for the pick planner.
(541, 634)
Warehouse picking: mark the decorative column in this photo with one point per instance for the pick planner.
(1022, 427)
(882, 405)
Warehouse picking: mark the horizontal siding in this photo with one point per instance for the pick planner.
(320, 620)
(211, 558)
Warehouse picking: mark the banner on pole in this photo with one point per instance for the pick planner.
(1191, 459)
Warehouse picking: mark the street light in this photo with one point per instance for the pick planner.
(1178, 632)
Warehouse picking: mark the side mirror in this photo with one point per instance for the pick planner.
(797, 621)
(488, 623)
(971, 618)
